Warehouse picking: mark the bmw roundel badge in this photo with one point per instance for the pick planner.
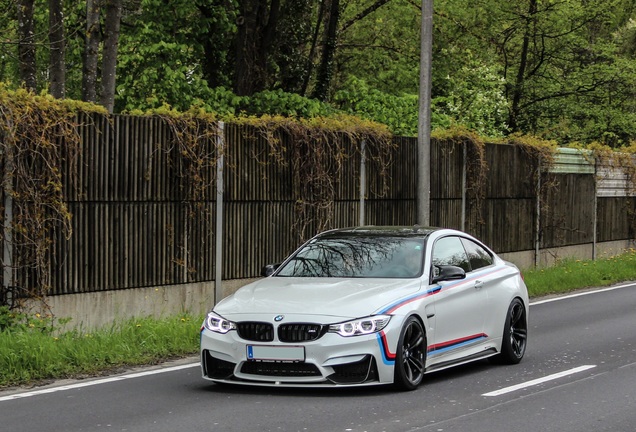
(279, 318)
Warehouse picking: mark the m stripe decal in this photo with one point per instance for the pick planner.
(434, 290)
(388, 358)
(456, 343)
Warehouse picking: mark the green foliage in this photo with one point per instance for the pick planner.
(278, 102)
(476, 98)
(573, 82)
(383, 49)
(399, 113)
(8, 65)
(146, 82)
(226, 104)
(160, 57)
(13, 321)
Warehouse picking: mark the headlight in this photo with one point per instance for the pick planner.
(361, 326)
(218, 324)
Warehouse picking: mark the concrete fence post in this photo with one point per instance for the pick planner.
(537, 223)
(464, 185)
(595, 215)
(218, 254)
(363, 180)
(7, 256)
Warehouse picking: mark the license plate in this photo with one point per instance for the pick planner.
(281, 353)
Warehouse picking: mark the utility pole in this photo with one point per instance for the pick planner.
(424, 122)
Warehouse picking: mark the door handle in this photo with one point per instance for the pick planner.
(479, 284)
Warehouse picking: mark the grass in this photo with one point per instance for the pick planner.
(30, 352)
(569, 275)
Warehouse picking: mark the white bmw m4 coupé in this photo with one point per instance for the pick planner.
(368, 306)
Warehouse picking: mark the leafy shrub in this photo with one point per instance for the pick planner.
(399, 113)
(278, 102)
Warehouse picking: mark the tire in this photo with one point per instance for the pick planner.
(515, 334)
(410, 357)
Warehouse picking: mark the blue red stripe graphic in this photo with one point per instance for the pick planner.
(456, 343)
(432, 291)
(388, 357)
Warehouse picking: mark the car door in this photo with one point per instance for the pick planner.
(459, 306)
(491, 278)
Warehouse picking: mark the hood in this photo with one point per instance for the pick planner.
(346, 298)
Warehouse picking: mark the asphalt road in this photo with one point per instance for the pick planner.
(579, 374)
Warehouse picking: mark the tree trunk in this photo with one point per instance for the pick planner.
(254, 41)
(312, 50)
(57, 67)
(266, 40)
(517, 92)
(91, 47)
(325, 69)
(215, 61)
(26, 44)
(109, 63)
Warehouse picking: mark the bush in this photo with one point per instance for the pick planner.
(399, 113)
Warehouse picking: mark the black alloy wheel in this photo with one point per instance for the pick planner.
(515, 336)
(410, 359)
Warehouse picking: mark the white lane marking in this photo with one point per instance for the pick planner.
(96, 382)
(539, 381)
(597, 291)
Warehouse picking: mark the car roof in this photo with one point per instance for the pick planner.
(380, 231)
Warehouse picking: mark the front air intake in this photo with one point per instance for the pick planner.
(359, 372)
(215, 368)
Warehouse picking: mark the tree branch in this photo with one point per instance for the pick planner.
(375, 6)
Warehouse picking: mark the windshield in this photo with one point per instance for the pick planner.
(357, 256)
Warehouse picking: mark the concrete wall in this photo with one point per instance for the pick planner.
(548, 257)
(95, 310)
(102, 309)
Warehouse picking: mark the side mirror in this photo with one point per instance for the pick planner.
(269, 270)
(447, 272)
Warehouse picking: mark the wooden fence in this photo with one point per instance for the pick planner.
(134, 224)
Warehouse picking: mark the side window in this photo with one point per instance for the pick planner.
(450, 251)
(477, 255)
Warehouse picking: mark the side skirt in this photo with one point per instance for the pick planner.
(478, 356)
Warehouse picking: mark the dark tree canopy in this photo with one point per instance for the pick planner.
(562, 70)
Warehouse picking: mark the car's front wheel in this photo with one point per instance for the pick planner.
(515, 335)
(410, 356)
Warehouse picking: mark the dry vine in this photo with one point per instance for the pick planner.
(38, 142)
(318, 150)
(192, 151)
(476, 165)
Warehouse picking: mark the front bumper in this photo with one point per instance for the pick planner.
(332, 360)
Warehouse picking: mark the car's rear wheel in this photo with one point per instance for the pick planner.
(515, 335)
(410, 357)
